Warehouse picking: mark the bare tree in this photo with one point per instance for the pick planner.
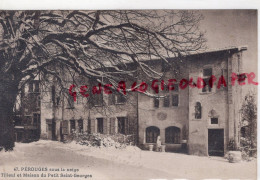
(88, 43)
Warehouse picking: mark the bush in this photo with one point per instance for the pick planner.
(247, 151)
(102, 140)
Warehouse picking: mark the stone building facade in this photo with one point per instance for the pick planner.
(203, 119)
(27, 121)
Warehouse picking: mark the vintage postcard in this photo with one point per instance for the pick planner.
(128, 94)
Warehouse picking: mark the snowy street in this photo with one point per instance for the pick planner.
(81, 162)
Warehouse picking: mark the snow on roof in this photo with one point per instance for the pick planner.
(238, 48)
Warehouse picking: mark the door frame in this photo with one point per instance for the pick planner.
(207, 142)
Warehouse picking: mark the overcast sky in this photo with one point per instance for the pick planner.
(226, 28)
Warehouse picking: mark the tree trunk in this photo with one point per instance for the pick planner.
(8, 93)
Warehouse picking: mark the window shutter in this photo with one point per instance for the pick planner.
(108, 126)
(92, 124)
(112, 125)
(105, 126)
(126, 126)
(64, 127)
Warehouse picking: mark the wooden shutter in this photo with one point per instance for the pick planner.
(92, 124)
(108, 126)
(112, 125)
(105, 129)
(64, 127)
(126, 126)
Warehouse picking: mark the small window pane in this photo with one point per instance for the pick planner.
(156, 102)
(207, 88)
(166, 101)
(214, 120)
(175, 100)
(198, 110)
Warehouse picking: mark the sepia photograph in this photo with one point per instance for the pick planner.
(128, 94)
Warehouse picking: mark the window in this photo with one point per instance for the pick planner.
(166, 101)
(224, 73)
(121, 125)
(207, 73)
(80, 125)
(100, 125)
(34, 87)
(175, 100)
(172, 135)
(70, 104)
(198, 110)
(119, 99)
(36, 119)
(214, 120)
(156, 102)
(98, 99)
(152, 133)
(72, 126)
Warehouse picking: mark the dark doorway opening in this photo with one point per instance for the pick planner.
(216, 142)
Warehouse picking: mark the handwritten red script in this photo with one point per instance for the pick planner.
(156, 84)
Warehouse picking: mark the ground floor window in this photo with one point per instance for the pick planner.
(100, 125)
(152, 133)
(121, 125)
(80, 125)
(172, 135)
(72, 126)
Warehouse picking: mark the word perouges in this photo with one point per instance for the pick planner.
(156, 84)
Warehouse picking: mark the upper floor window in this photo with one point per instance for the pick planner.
(120, 99)
(166, 101)
(175, 100)
(198, 110)
(98, 99)
(207, 73)
(116, 99)
(34, 87)
(156, 102)
(70, 102)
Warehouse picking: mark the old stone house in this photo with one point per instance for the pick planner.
(27, 124)
(205, 119)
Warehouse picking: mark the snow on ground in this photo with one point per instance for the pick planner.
(111, 163)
